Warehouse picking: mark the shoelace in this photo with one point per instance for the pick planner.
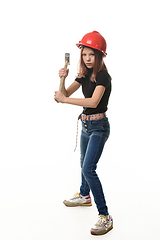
(101, 221)
(76, 195)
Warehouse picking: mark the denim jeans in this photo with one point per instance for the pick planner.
(93, 137)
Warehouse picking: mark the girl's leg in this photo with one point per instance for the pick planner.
(84, 189)
(93, 152)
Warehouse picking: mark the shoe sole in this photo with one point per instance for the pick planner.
(68, 204)
(94, 232)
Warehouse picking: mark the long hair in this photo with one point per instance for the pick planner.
(99, 65)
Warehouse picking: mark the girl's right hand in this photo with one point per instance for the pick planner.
(63, 72)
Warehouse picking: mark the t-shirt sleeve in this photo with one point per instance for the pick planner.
(79, 80)
(103, 79)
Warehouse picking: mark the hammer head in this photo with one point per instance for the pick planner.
(67, 57)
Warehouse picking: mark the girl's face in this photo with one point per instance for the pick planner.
(88, 57)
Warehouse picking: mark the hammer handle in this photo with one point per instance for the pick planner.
(62, 79)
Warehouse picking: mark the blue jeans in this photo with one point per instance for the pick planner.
(93, 137)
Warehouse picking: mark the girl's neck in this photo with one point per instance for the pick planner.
(89, 71)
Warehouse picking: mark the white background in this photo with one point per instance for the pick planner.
(38, 167)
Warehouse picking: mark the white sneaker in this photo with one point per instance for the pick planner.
(104, 225)
(78, 200)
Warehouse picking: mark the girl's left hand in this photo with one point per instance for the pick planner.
(59, 97)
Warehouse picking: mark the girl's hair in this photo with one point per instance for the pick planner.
(99, 65)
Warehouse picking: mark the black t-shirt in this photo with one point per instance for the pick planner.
(103, 78)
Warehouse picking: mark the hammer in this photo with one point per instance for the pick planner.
(62, 79)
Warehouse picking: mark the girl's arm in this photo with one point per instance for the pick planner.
(72, 88)
(84, 102)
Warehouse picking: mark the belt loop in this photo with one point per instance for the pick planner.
(104, 115)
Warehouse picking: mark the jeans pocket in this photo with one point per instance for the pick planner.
(95, 122)
(97, 125)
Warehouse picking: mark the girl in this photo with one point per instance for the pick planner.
(96, 86)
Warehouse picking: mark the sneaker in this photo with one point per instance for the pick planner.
(104, 225)
(78, 200)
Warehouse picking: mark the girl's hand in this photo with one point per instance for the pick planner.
(59, 97)
(63, 72)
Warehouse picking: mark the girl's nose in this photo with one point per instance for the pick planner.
(88, 58)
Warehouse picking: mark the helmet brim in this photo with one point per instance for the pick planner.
(80, 45)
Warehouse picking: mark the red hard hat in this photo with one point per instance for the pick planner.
(94, 40)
